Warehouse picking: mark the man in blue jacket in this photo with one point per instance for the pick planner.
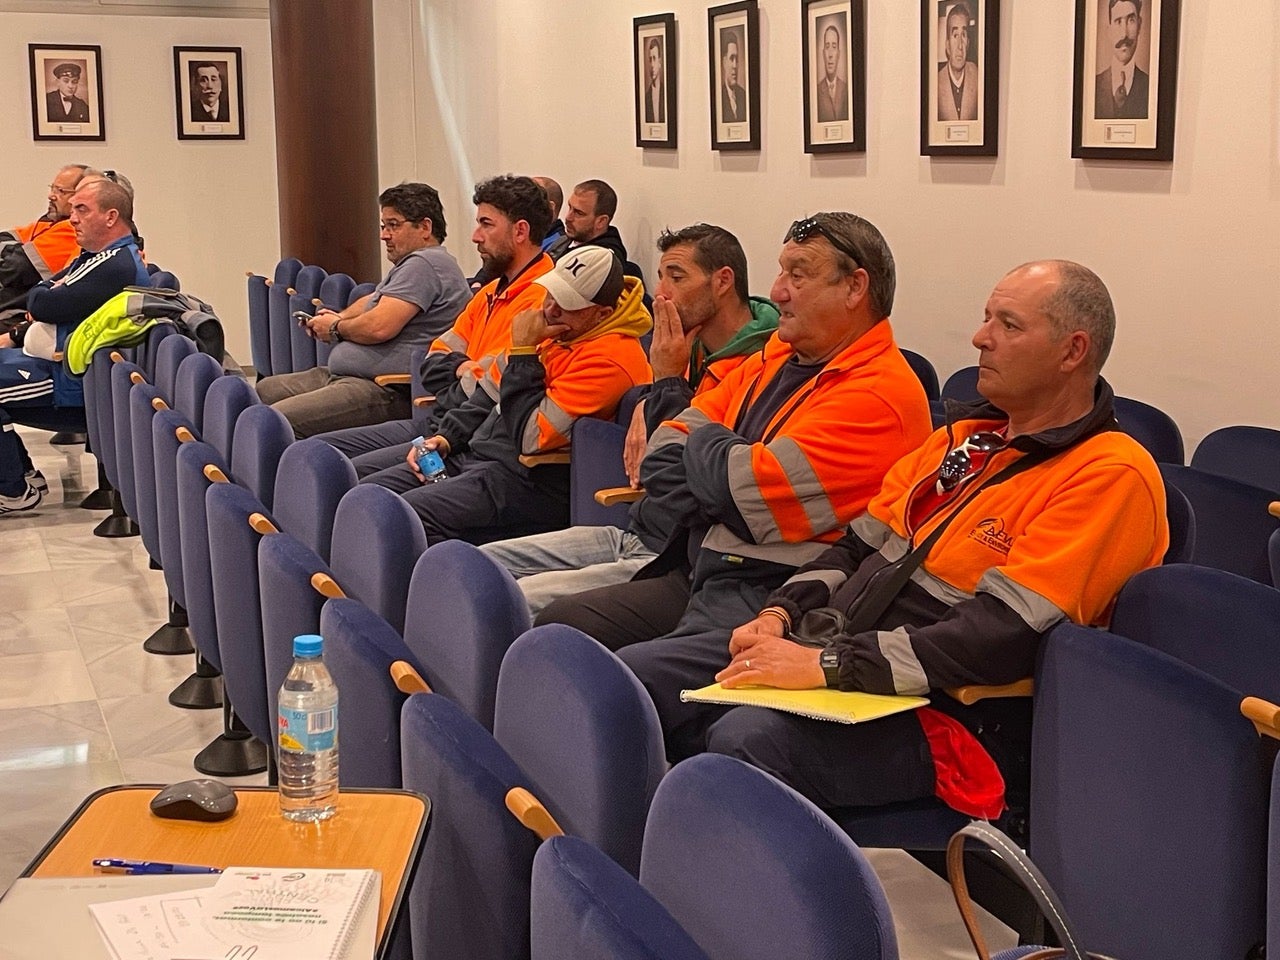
(102, 216)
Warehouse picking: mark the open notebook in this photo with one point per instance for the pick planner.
(842, 706)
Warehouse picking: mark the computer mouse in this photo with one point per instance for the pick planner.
(206, 800)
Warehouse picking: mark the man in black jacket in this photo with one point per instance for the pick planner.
(592, 206)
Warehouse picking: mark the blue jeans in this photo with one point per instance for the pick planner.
(548, 566)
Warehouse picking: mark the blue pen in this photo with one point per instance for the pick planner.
(150, 866)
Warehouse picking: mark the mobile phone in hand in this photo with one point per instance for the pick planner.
(303, 318)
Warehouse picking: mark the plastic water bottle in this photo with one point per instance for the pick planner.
(429, 462)
(308, 734)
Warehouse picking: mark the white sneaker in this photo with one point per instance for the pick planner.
(37, 480)
(27, 501)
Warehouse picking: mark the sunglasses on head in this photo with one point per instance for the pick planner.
(958, 464)
(802, 230)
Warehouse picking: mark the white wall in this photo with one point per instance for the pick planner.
(206, 208)
(1190, 250)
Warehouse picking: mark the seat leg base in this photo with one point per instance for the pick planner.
(119, 524)
(232, 755)
(67, 438)
(99, 499)
(169, 640)
(197, 693)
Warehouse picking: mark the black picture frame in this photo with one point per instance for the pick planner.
(226, 119)
(81, 67)
(959, 120)
(734, 125)
(656, 113)
(1111, 123)
(833, 39)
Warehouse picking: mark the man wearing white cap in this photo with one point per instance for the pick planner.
(574, 357)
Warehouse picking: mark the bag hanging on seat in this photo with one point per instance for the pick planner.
(1028, 875)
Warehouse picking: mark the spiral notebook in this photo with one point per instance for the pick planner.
(272, 913)
(841, 706)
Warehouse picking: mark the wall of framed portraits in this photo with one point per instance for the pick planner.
(1190, 249)
(207, 208)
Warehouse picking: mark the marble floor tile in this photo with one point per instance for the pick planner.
(56, 735)
(24, 552)
(172, 767)
(148, 724)
(35, 631)
(35, 679)
(118, 671)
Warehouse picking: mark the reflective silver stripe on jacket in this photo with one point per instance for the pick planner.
(1035, 610)
(560, 421)
(721, 539)
(908, 675)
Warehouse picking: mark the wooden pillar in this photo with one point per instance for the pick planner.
(326, 134)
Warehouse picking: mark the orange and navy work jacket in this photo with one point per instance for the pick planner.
(49, 246)
(823, 454)
(480, 335)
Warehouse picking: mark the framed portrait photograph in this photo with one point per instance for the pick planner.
(733, 51)
(208, 85)
(834, 65)
(654, 48)
(1126, 79)
(66, 92)
(959, 77)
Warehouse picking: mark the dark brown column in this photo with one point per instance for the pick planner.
(326, 134)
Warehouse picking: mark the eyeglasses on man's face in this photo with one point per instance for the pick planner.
(391, 226)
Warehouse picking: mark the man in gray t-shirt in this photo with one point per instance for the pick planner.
(418, 300)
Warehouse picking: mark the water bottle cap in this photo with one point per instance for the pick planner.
(417, 440)
(308, 645)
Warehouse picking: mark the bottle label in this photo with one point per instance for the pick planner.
(308, 731)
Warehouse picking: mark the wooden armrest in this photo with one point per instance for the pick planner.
(326, 586)
(269, 282)
(213, 474)
(407, 679)
(317, 302)
(116, 356)
(387, 379)
(543, 459)
(136, 378)
(184, 435)
(290, 291)
(248, 273)
(609, 496)
(423, 401)
(528, 809)
(262, 525)
(57, 356)
(971, 694)
(1264, 714)
(1274, 508)
(157, 404)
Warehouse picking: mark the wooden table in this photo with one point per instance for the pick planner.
(376, 829)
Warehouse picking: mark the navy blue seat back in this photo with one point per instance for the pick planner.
(146, 354)
(1248, 454)
(359, 648)
(1148, 803)
(583, 905)
(1218, 622)
(923, 369)
(1232, 523)
(1151, 427)
(1182, 526)
(224, 401)
(335, 293)
(259, 330)
(122, 380)
(166, 426)
(377, 540)
(233, 568)
(278, 321)
(163, 279)
(306, 288)
(596, 463)
(195, 375)
(261, 436)
(585, 733)
(171, 352)
(311, 478)
(1273, 549)
(141, 409)
(193, 528)
(962, 385)
(754, 871)
(464, 611)
(290, 606)
(97, 408)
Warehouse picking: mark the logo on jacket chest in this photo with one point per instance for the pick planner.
(990, 533)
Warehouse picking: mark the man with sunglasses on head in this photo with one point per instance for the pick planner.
(1028, 509)
(418, 300)
(759, 474)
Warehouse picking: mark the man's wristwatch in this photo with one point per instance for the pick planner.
(829, 660)
(334, 335)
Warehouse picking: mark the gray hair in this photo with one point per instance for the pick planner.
(875, 257)
(1081, 302)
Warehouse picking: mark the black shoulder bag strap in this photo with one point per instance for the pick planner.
(887, 583)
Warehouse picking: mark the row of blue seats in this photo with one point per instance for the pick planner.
(277, 344)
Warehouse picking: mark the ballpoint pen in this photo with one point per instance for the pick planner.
(149, 866)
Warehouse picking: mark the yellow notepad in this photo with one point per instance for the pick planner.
(842, 706)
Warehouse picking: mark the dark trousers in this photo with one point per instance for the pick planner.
(482, 500)
(377, 446)
(833, 764)
(624, 613)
